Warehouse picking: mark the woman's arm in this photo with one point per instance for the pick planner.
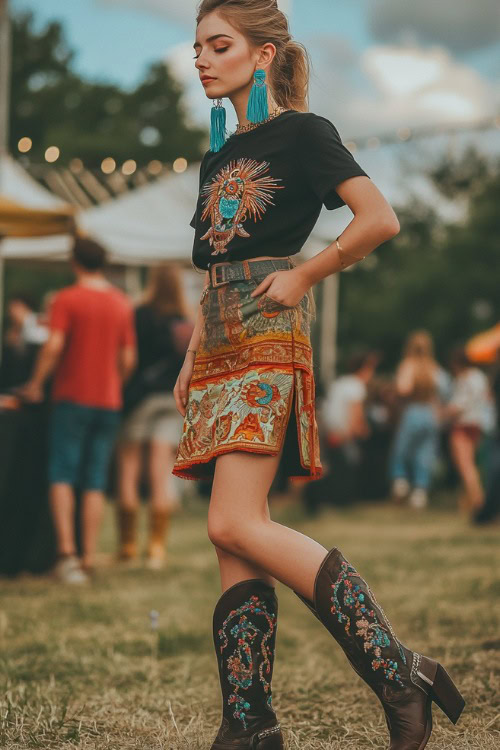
(374, 222)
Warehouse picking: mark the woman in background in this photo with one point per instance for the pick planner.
(421, 384)
(152, 420)
(469, 408)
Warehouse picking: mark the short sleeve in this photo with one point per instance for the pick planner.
(60, 313)
(192, 223)
(325, 160)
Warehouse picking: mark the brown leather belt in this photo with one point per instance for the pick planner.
(239, 270)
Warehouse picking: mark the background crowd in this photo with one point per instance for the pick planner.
(87, 401)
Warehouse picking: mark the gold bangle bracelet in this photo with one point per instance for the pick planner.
(354, 258)
(339, 250)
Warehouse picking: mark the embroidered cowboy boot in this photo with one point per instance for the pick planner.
(244, 630)
(405, 682)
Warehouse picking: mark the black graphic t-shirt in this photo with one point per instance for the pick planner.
(262, 193)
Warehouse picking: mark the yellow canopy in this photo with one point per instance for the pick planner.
(19, 221)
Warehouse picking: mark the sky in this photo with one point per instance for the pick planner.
(379, 65)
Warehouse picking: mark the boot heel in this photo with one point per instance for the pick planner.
(268, 739)
(447, 696)
(270, 743)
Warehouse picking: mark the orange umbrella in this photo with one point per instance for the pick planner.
(483, 348)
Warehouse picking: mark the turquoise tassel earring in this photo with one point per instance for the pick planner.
(217, 126)
(258, 109)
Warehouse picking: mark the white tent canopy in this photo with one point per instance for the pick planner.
(16, 184)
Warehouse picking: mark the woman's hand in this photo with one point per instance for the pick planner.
(285, 287)
(182, 385)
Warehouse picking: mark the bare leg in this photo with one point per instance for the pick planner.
(62, 503)
(234, 569)
(129, 470)
(92, 509)
(161, 463)
(239, 523)
(463, 452)
(129, 467)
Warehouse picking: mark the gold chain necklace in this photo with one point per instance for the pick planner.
(245, 128)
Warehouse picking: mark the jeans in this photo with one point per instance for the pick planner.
(415, 446)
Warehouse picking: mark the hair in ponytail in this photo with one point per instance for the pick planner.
(261, 22)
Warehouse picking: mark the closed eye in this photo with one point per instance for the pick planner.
(221, 49)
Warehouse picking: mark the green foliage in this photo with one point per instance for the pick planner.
(433, 275)
(53, 105)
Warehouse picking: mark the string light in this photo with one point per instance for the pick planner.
(404, 134)
(129, 167)
(108, 165)
(52, 154)
(180, 165)
(155, 167)
(351, 145)
(373, 142)
(76, 165)
(24, 144)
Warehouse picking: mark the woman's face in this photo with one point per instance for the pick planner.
(224, 59)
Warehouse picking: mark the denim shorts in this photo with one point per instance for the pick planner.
(81, 441)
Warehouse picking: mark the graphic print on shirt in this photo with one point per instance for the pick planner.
(239, 191)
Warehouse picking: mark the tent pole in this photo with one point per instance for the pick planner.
(4, 123)
(329, 324)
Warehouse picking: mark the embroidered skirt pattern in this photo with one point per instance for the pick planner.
(252, 387)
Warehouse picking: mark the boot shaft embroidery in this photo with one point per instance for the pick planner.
(251, 644)
(368, 627)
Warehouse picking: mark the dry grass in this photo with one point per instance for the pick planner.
(83, 669)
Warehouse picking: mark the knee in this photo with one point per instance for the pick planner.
(227, 535)
(221, 534)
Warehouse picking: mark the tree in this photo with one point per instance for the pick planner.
(432, 275)
(53, 105)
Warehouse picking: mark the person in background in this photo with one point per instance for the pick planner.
(345, 424)
(469, 408)
(24, 334)
(422, 385)
(91, 352)
(163, 332)
(484, 349)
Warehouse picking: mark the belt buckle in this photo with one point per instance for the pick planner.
(213, 275)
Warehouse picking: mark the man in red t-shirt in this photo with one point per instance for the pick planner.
(91, 350)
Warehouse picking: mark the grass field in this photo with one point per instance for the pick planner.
(84, 669)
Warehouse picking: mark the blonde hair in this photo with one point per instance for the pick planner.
(165, 292)
(261, 21)
(419, 349)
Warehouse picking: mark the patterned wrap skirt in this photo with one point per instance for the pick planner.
(252, 387)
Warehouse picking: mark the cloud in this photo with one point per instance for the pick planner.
(460, 25)
(182, 11)
(389, 87)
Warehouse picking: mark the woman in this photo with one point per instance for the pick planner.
(469, 408)
(421, 385)
(246, 388)
(152, 421)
